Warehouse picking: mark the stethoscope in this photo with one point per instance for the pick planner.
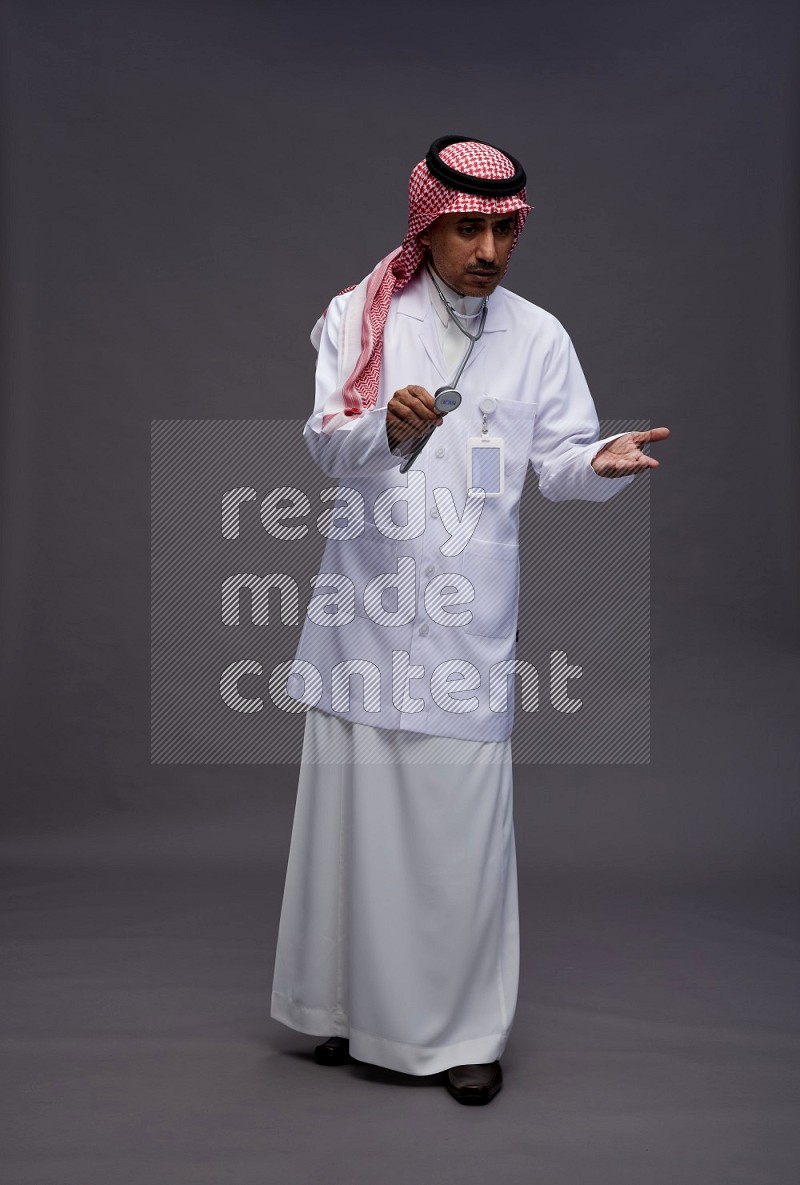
(448, 398)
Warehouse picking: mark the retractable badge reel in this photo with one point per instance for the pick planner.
(485, 456)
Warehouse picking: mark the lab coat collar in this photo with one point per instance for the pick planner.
(413, 301)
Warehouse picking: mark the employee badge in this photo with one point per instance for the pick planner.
(486, 456)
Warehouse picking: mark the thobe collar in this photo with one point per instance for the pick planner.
(414, 301)
(452, 341)
(465, 306)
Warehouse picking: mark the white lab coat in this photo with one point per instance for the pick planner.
(425, 675)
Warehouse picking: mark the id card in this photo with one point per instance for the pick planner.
(485, 464)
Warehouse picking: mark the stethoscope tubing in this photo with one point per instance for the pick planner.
(409, 461)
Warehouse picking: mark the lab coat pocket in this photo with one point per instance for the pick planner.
(513, 422)
(493, 571)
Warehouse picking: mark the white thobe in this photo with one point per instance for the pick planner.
(400, 927)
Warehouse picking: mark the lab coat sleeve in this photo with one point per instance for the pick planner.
(565, 435)
(343, 445)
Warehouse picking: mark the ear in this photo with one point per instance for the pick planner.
(424, 238)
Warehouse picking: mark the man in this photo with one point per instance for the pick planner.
(399, 927)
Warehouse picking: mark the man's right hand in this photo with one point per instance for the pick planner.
(410, 416)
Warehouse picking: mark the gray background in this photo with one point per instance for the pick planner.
(184, 188)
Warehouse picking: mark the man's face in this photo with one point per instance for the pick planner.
(470, 251)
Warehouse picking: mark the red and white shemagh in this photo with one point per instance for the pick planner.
(428, 198)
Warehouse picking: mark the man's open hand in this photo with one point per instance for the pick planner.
(410, 416)
(624, 455)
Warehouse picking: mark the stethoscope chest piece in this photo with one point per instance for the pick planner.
(446, 399)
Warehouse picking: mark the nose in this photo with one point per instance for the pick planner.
(486, 249)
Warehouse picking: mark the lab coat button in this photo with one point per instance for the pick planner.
(423, 629)
(434, 512)
(429, 571)
(440, 450)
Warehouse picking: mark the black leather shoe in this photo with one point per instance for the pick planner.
(333, 1052)
(475, 1085)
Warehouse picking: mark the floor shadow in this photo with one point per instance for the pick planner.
(370, 1073)
(364, 1070)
